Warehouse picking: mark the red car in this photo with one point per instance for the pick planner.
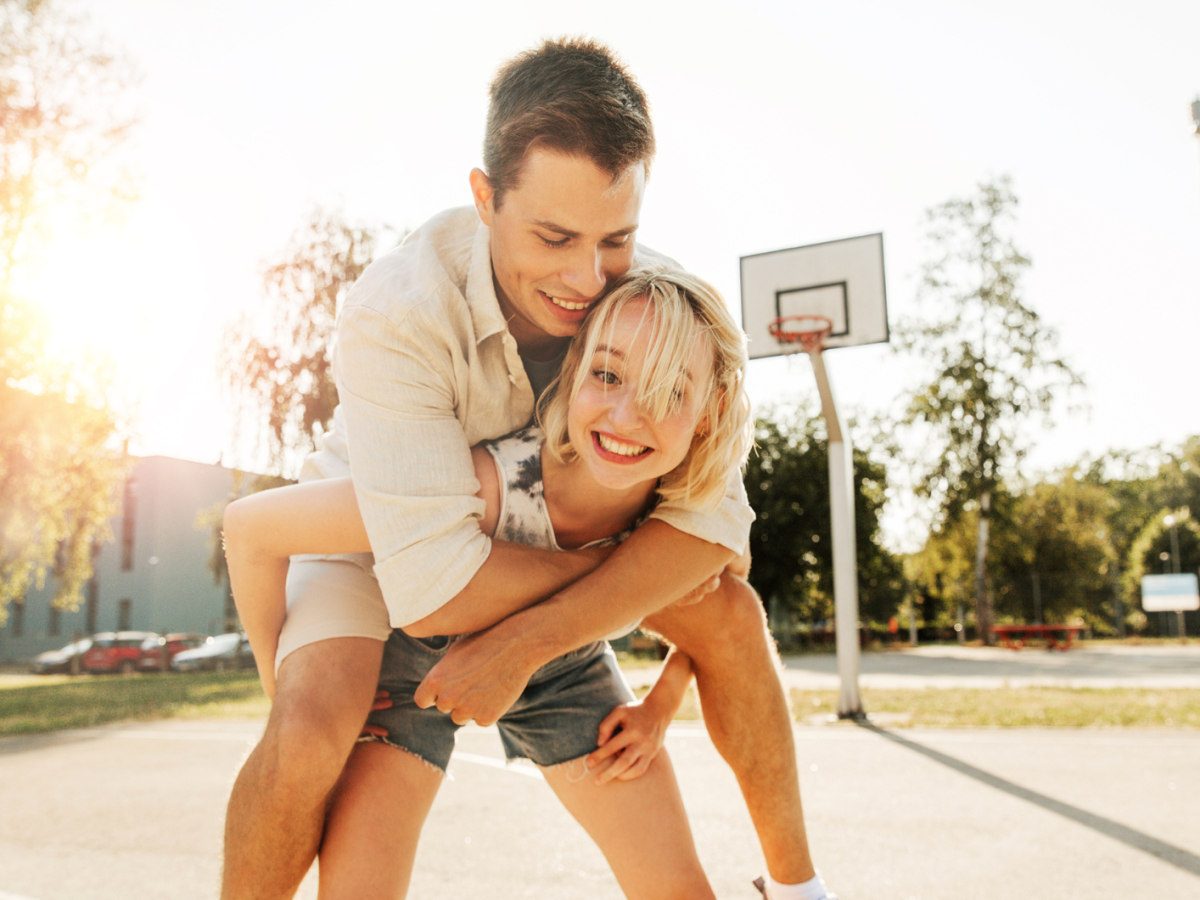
(115, 652)
(158, 650)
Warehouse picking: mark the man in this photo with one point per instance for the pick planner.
(445, 342)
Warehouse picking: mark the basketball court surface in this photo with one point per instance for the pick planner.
(893, 813)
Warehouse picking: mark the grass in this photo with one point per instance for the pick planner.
(37, 705)
(1016, 707)
(41, 704)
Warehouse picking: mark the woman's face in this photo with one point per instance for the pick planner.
(616, 441)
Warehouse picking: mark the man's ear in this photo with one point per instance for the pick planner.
(482, 192)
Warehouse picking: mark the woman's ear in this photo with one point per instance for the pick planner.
(712, 412)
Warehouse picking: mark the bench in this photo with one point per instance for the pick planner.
(1057, 637)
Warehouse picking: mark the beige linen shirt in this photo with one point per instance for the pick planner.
(425, 368)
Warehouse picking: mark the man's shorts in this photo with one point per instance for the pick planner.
(556, 719)
(331, 597)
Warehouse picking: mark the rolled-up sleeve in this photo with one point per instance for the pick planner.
(727, 525)
(409, 458)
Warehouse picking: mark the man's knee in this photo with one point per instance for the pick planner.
(323, 696)
(729, 621)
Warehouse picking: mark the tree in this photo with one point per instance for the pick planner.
(63, 115)
(991, 358)
(58, 478)
(787, 483)
(278, 359)
(1053, 558)
(60, 125)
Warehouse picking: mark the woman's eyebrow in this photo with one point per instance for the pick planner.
(611, 351)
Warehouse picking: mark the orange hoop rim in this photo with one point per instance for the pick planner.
(807, 331)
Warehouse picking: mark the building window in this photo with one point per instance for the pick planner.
(124, 615)
(128, 524)
(93, 603)
(53, 626)
(16, 615)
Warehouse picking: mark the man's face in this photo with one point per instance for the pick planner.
(559, 238)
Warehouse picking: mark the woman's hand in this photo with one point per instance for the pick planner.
(630, 737)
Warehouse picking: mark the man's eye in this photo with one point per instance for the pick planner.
(617, 245)
(561, 242)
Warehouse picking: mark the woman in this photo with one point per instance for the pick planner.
(650, 403)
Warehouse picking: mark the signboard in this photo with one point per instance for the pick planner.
(1170, 593)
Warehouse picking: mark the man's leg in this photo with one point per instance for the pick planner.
(746, 713)
(277, 807)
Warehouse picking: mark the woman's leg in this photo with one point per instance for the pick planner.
(262, 530)
(639, 825)
(374, 823)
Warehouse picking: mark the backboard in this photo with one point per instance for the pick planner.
(840, 280)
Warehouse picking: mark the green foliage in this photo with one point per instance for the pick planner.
(64, 111)
(787, 482)
(58, 480)
(991, 358)
(1154, 552)
(61, 95)
(1079, 541)
(991, 361)
(278, 360)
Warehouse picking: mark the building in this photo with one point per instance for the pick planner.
(153, 575)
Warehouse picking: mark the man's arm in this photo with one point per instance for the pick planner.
(416, 485)
(484, 674)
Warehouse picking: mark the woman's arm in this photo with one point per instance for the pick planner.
(262, 530)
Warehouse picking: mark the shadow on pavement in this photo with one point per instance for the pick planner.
(1168, 853)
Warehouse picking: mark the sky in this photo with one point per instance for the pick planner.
(778, 124)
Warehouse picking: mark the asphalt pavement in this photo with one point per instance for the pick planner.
(137, 809)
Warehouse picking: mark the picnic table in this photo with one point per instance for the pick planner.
(1057, 637)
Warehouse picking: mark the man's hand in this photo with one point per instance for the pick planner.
(739, 567)
(479, 678)
(699, 593)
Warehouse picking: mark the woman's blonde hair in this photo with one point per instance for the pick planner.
(679, 308)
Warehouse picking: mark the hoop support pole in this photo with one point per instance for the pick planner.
(844, 535)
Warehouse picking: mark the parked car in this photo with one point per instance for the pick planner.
(115, 651)
(68, 659)
(158, 650)
(219, 654)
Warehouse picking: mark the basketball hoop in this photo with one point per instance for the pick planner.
(807, 331)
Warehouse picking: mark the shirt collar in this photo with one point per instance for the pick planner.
(486, 317)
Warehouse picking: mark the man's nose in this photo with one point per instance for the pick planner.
(585, 273)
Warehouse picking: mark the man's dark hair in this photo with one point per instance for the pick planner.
(571, 96)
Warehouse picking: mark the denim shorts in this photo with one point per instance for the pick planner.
(556, 719)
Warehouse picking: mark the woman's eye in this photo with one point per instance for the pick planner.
(604, 376)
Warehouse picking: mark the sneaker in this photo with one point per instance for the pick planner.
(761, 884)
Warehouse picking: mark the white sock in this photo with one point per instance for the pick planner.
(813, 889)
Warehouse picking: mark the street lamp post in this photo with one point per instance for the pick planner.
(1169, 520)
